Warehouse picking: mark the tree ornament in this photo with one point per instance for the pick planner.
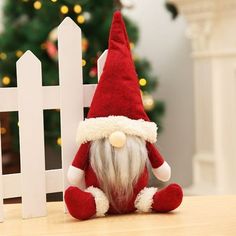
(51, 45)
(148, 101)
(87, 16)
(93, 72)
(52, 50)
(52, 36)
(85, 44)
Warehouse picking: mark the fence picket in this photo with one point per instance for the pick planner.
(11, 185)
(1, 188)
(29, 79)
(101, 62)
(71, 84)
(9, 96)
(88, 92)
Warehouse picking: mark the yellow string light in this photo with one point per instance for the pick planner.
(80, 19)
(131, 45)
(77, 8)
(19, 53)
(3, 130)
(64, 9)
(92, 73)
(142, 82)
(59, 141)
(6, 80)
(83, 62)
(148, 102)
(37, 5)
(54, 0)
(3, 56)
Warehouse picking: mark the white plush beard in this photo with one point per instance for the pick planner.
(118, 169)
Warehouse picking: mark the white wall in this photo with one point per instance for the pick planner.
(163, 42)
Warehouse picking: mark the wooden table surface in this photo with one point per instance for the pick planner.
(202, 216)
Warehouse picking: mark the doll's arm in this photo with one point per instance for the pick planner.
(75, 173)
(160, 167)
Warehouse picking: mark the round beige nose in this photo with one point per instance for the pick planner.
(117, 139)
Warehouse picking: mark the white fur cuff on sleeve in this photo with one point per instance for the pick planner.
(144, 200)
(163, 172)
(75, 177)
(101, 201)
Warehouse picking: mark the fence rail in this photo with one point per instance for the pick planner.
(30, 98)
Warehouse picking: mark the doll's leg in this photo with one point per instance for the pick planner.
(85, 204)
(164, 200)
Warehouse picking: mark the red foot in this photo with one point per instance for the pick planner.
(168, 198)
(80, 204)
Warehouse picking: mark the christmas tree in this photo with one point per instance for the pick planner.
(31, 25)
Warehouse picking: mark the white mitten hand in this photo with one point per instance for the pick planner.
(163, 172)
(75, 177)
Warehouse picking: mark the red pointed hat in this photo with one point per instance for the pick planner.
(117, 103)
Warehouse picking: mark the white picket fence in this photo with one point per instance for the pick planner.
(30, 98)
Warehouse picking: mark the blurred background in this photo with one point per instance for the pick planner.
(182, 50)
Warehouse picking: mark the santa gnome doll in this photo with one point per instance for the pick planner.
(109, 174)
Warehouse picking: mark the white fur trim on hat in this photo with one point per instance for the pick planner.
(101, 127)
(144, 200)
(102, 203)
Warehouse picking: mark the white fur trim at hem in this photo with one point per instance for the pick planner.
(101, 127)
(144, 200)
(75, 177)
(163, 172)
(102, 203)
